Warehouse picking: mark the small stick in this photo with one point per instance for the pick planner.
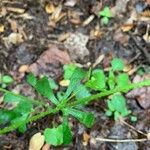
(121, 141)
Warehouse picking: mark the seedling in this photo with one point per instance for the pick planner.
(106, 15)
(84, 87)
(5, 80)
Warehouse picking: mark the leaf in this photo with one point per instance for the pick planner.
(75, 79)
(54, 136)
(53, 84)
(110, 105)
(105, 20)
(19, 119)
(7, 79)
(117, 64)
(118, 102)
(133, 118)
(111, 80)
(105, 12)
(81, 92)
(36, 141)
(67, 135)
(97, 81)
(22, 105)
(43, 87)
(68, 70)
(31, 79)
(11, 98)
(7, 115)
(84, 117)
(123, 80)
(108, 113)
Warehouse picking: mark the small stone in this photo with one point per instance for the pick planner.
(76, 45)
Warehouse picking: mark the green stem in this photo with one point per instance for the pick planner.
(86, 100)
(31, 119)
(83, 101)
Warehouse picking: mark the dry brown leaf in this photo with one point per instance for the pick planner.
(48, 59)
(36, 141)
(50, 8)
(141, 94)
(127, 27)
(86, 138)
(1, 28)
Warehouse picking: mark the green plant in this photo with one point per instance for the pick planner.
(84, 87)
(106, 15)
(5, 80)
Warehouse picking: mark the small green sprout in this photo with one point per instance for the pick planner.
(5, 80)
(117, 107)
(106, 15)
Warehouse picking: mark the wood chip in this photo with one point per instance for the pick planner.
(1, 28)
(15, 10)
(23, 69)
(88, 20)
(50, 8)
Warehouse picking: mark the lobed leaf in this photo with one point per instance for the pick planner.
(84, 117)
(43, 87)
(117, 64)
(97, 81)
(31, 79)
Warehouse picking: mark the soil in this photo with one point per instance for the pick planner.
(31, 33)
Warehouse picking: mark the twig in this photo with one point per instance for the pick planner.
(130, 126)
(121, 141)
(142, 49)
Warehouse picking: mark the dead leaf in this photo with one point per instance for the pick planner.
(127, 27)
(50, 8)
(36, 141)
(53, 57)
(1, 28)
(141, 94)
(86, 138)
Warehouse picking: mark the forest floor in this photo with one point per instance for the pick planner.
(72, 31)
